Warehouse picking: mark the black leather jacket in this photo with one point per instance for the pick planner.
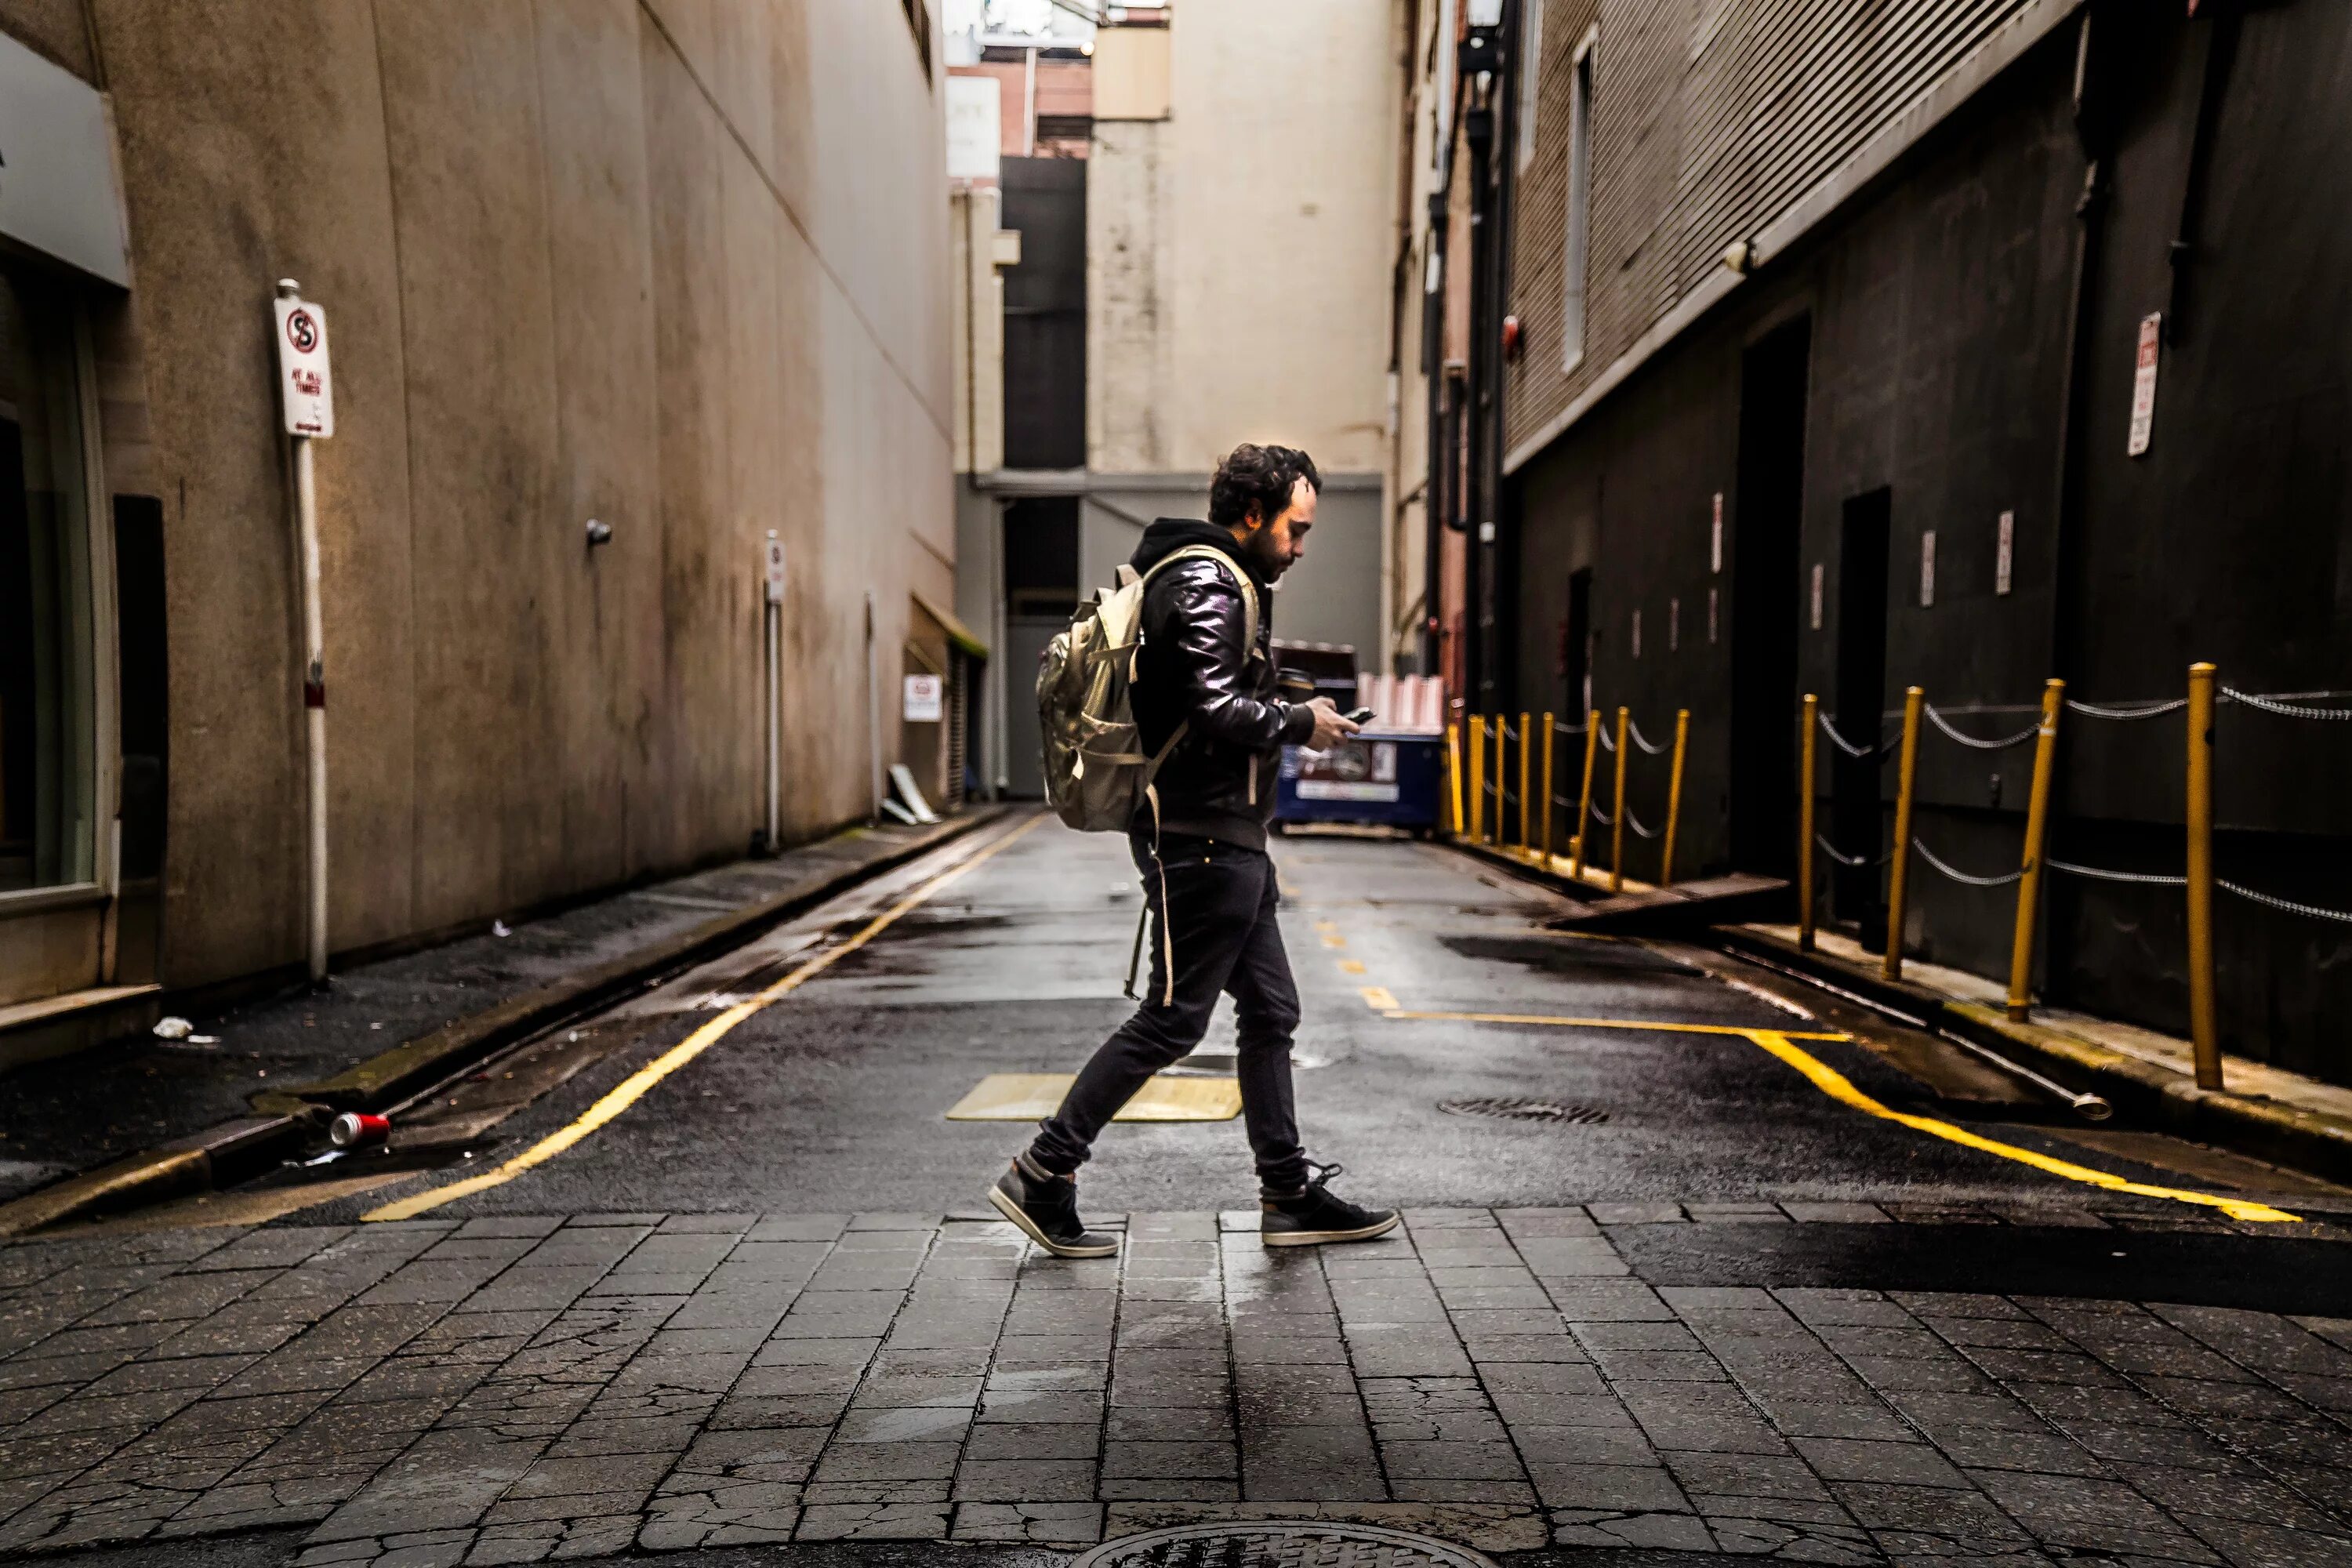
(1193, 669)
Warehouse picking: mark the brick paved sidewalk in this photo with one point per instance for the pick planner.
(509, 1390)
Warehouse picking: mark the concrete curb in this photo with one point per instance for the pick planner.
(2141, 1091)
(236, 1149)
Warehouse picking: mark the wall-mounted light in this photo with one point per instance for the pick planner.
(1740, 256)
(599, 532)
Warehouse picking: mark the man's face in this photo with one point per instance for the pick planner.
(1275, 546)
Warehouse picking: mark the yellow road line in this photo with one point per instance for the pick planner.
(1380, 999)
(633, 1088)
(1597, 1024)
(1835, 1084)
(1351, 966)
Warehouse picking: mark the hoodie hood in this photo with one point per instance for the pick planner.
(1167, 535)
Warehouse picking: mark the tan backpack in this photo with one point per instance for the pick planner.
(1097, 775)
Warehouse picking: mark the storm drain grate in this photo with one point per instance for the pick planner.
(1279, 1545)
(1520, 1108)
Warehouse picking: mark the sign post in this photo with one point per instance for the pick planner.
(307, 395)
(772, 615)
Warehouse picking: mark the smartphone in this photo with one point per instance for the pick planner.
(1359, 716)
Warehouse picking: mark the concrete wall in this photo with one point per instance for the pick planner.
(681, 266)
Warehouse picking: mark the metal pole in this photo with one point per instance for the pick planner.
(1454, 772)
(873, 717)
(2037, 828)
(314, 698)
(1584, 795)
(1805, 825)
(1898, 884)
(1617, 827)
(2203, 1033)
(771, 624)
(1548, 728)
(1674, 797)
(1477, 777)
(1502, 734)
(1526, 724)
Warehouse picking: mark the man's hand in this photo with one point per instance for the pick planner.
(1330, 725)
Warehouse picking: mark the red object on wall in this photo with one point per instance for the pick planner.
(1511, 338)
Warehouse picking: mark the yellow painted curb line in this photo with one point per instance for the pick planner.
(1834, 1084)
(1781, 1043)
(633, 1088)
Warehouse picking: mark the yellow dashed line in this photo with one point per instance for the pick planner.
(1377, 996)
(1599, 1023)
(1331, 940)
(1351, 966)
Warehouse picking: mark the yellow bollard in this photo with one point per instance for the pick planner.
(1674, 798)
(1502, 787)
(1546, 862)
(1897, 881)
(1805, 825)
(1454, 774)
(1617, 828)
(2204, 1033)
(1477, 777)
(2037, 828)
(1584, 795)
(1525, 725)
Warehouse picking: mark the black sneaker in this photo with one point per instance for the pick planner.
(1046, 1207)
(1312, 1217)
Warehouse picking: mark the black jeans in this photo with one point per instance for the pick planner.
(1226, 939)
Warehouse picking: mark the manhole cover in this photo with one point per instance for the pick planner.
(1520, 1108)
(1285, 1544)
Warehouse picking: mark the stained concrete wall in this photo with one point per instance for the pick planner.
(679, 266)
(1239, 250)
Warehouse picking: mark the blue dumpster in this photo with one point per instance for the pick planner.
(1387, 777)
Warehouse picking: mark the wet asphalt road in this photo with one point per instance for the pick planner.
(833, 1096)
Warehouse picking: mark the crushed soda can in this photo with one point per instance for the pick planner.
(358, 1129)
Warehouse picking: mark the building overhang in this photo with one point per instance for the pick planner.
(60, 194)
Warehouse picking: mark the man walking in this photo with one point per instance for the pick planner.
(1206, 875)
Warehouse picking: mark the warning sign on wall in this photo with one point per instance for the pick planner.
(2143, 421)
(926, 699)
(304, 384)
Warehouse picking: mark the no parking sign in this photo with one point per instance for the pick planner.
(304, 383)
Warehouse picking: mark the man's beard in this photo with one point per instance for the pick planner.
(1264, 556)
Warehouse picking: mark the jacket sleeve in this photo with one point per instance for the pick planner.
(1205, 631)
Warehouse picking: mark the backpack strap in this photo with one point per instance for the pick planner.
(1143, 915)
(1233, 570)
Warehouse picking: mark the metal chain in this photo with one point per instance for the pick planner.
(1852, 862)
(1959, 875)
(1566, 729)
(1848, 747)
(1606, 744)
(2145, 710)
(2022, 736)
(2285, 710)
(1636, 730)
(2099, 874)
(1634, 823)
(1602, 817)
(2289, 905)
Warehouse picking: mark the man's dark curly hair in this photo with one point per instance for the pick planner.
(1257, 475)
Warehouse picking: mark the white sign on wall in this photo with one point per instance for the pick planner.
(926, 699)
(975, 126)
(2143, 420)
(304, 384)
(2004, 553)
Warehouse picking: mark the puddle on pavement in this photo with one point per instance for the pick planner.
(1565, 954)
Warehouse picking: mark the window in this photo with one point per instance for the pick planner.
(1580, 204)
(47, 759)
(1530, 77)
